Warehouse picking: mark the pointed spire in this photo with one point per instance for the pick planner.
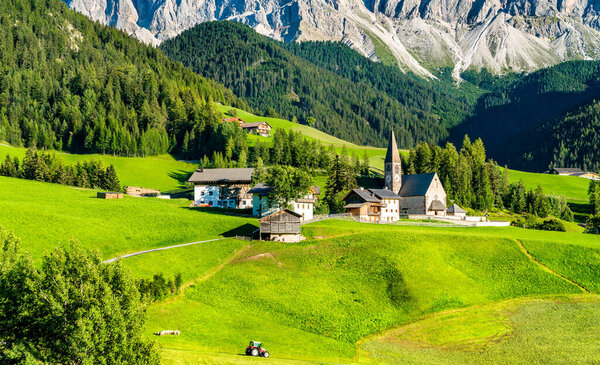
(392, 154)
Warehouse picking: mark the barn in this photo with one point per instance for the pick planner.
(283, 226)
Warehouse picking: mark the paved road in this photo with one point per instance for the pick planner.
(159, 249)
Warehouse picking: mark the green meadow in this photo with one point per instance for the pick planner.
(45, 215)
(350, 282)
(572, 188)
(155, 172)
(398, 293)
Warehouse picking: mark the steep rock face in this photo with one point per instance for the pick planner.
(421, 34)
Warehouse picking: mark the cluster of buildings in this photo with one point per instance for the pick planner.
(412, 196)
(402, 195)
(259, 128)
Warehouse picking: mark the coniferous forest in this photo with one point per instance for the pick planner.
(72, 84)
(341, 93)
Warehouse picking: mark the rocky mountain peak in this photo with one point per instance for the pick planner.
(423, 35)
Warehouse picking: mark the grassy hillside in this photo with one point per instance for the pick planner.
(312, 301)
(376, 154)
(162, 172)
(45, 215)
(571, 188)
(524, 331)
(328, 293)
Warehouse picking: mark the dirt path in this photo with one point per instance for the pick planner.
(547, 269)
(159, 249)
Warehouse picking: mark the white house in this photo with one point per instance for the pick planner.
(222, 188)
(261, 207)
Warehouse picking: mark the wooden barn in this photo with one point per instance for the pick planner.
(109, 195)
(283, 226)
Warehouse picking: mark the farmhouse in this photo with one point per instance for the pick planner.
(566, 171)
(222, 188)
(261, 206)
(421, 194)
(283, 226)
(574, 172)
(259, 128)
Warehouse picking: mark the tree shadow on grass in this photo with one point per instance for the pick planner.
(581, 211)
(181, 176)
(246, 213)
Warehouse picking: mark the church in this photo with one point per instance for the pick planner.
(402, 195)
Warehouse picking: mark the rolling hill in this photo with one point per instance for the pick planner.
(347, 282)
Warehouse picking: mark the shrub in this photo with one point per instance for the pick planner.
(593, 224)
(550, 225)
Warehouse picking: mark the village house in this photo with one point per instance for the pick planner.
(259, 128)
(363, 205)
(282, 226)
(416, 195)
(574, 172)
(222, 188)
(261, 206)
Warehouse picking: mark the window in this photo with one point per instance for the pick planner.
(210, 193)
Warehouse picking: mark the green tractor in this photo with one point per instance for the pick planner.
(255, 349)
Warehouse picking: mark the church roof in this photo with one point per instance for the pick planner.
(416, 185)
(384, 194)
(392, 154)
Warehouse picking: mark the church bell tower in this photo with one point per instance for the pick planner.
(393, 167)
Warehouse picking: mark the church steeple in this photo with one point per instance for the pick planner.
(393, 166)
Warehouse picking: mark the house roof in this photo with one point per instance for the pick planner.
(363, 194)
(260, 189)
(568, 170)
(416, 185)
(354, 205)
(385, 194)
(279, 213)
(437, 205)
(253, 125)
(456, 209)
(316, 190)
(221, 176)
(392, 154)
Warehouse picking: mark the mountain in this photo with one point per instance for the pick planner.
(535, 121)
(328, 84)
(69, 83)
(421, 35)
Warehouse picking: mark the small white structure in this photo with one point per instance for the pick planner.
(261, 207)
(222, 188)
(456, 211)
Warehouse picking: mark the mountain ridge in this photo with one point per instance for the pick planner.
(423, 35)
